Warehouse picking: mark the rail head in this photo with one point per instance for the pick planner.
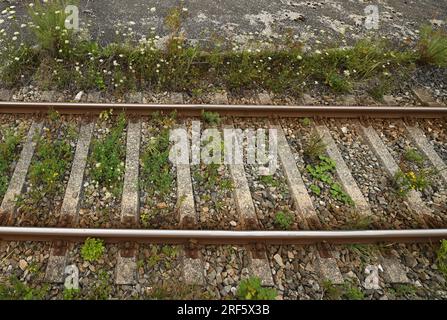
(230, 110)
(221, 237)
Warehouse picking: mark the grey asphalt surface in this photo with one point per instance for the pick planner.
(242, 21)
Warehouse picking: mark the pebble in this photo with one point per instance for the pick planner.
(278, 260)
(23, 264)
(78, 96)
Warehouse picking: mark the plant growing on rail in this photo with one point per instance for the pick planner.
(432, 46)
(92, 249)
(414, 156)
(418, 180)
(251, 289)
(8, 152)
(284, 219)
(315, 147)
(53, 156)
(269, 181)
(212, 118)
(108, 154)
(71, 294)
(157, 178)
(403, 291)
(14, 289)
(155, 159)
(348, 290)
(175, 290)
(102, 288)
(442, 258)
(323, 172)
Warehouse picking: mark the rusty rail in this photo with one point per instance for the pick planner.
(230, 110)
(221, 237)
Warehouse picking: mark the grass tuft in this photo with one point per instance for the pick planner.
(432, 47)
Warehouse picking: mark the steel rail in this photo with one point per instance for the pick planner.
(221, 237)
(230, 110)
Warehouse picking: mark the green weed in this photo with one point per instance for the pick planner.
(269, 181)
(156, 176)
(57, 57)
(306, 121)
(102, 288)
(155, 164)
(403, 291)
(315, 147)
(251, 289)
(331, 291)
(432, 46)
(14, 289)
(352, 292)
(323, 172)
(175, 290)
(107, 156)
(418, 180)
(212, 118)
(48, 27)
(92, 249)
(315, 189)
(415, 156)
(284, 219)
(442, 258)
(8, 153)
(71, 294)
(53, 157)
(348, 290)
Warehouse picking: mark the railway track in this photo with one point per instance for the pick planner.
(362, 149)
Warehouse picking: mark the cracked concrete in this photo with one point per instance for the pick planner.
(325, 21)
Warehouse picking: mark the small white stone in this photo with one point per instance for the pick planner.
(278, 260)
(78, 97)
(23, 264)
